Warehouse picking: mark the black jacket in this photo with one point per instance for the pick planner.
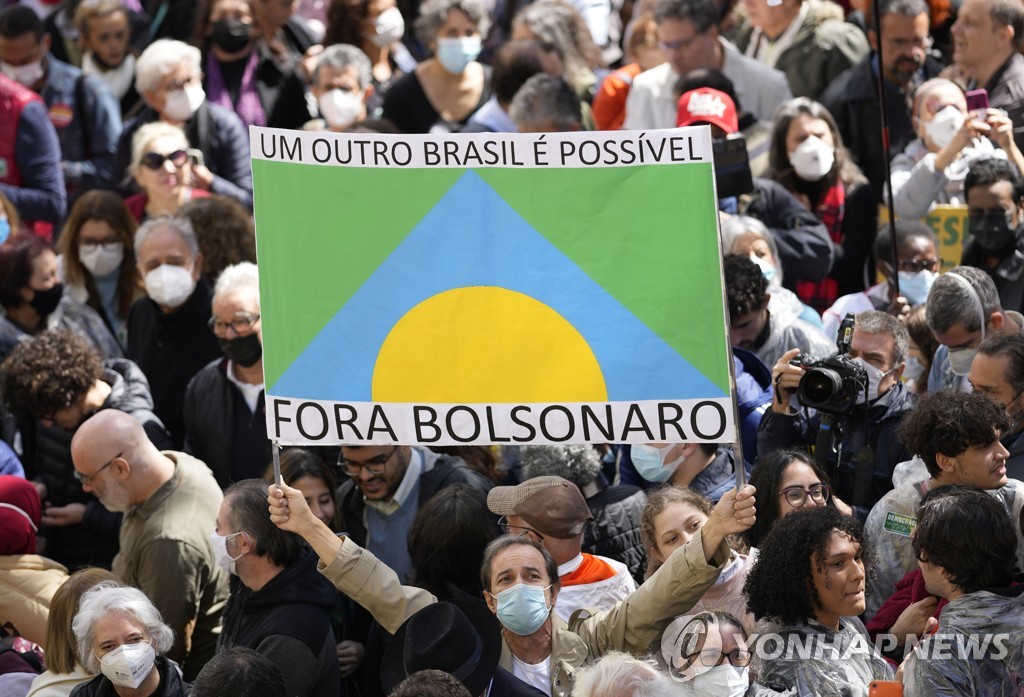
(504, 684)
(287, 620)
(215, 131)
(852, 99)
(1006, 92)
(615, 530)
(870, 448)
(171, 683)
(805, 250)
(1008, 275)
(171, 349)
(48, 453)
(439, 471)
(211, 404)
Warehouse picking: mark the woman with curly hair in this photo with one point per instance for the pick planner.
(806, 590)
(373, 26)
(671, 517)
(806, 155)
(446, 89)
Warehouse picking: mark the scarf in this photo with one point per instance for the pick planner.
(821, 295)
(118, 80)
(248, 106)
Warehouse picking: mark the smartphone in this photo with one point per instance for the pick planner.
(977, 102)
(196, 155)
(885, 688)
(732, 167)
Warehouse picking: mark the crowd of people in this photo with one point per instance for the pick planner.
(145, 549)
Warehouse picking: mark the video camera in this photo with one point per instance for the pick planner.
(832, 385)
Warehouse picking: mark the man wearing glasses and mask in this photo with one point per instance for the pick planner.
(955, 440)
(387, 485)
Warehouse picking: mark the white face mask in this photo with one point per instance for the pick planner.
(914, 369)
(129, 664)
(944, 126)
(340, 108)
(102, 259)
(725, 680)
(28, 74)
(874, 379)
(181, 104)
(118, 79)
(914, 286)
(390, 27)
(169, 286)
(221, 554)
(812, 159)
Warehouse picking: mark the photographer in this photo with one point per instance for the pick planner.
(868, 447)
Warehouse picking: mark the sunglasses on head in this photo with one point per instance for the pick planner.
(155, 160)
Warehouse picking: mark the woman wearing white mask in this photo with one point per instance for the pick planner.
(931, 170)
(708, 653)
(915, 269)
(446, 89)
(122, 637)
(376, 27)
(97, 259)
(162, 169)
(808, 158)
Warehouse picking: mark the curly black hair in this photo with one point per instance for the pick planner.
(47, 373)
(969, 534)
(745, 285)
(781, 583)
(950, 422)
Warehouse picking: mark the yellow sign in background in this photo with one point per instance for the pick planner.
(949, 223)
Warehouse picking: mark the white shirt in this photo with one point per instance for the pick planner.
(251, 393)
(535, 674)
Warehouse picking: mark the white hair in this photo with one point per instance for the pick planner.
(238, 277)
(739, 226)
(149, 132)
(180, 224)
(161, 58)
(108, 598)
(620, 675)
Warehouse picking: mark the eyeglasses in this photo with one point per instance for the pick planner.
(242, 322)
(681, 44)
(916, 265)
(87, 478)
(154, 160)
(520, 530)
(93, 244)
(924, 42)
(797, 495)
(712, 658)
(375, 465)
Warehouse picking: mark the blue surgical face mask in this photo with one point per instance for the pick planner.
(914, 369)
(767, 269)
(523, 608)
(915, 286)
(5, 230)
(455, 54)
(649, 462)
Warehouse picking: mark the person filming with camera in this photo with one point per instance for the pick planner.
(850, 405)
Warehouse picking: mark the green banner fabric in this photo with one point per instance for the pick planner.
(491, 288)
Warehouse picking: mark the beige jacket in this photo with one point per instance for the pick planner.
(632, 625)
(27, 583)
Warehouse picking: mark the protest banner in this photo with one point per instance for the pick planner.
(498, 288)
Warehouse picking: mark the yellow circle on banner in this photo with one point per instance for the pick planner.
(485, 344)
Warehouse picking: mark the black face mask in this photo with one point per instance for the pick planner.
(992, 232)
(46, 301)
(231, 35)
(245, 350)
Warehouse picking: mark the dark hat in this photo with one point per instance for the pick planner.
(460, 637)
(552, 505)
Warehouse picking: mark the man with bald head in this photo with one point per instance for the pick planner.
(170, 502)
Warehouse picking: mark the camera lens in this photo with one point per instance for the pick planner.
(819, 386)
